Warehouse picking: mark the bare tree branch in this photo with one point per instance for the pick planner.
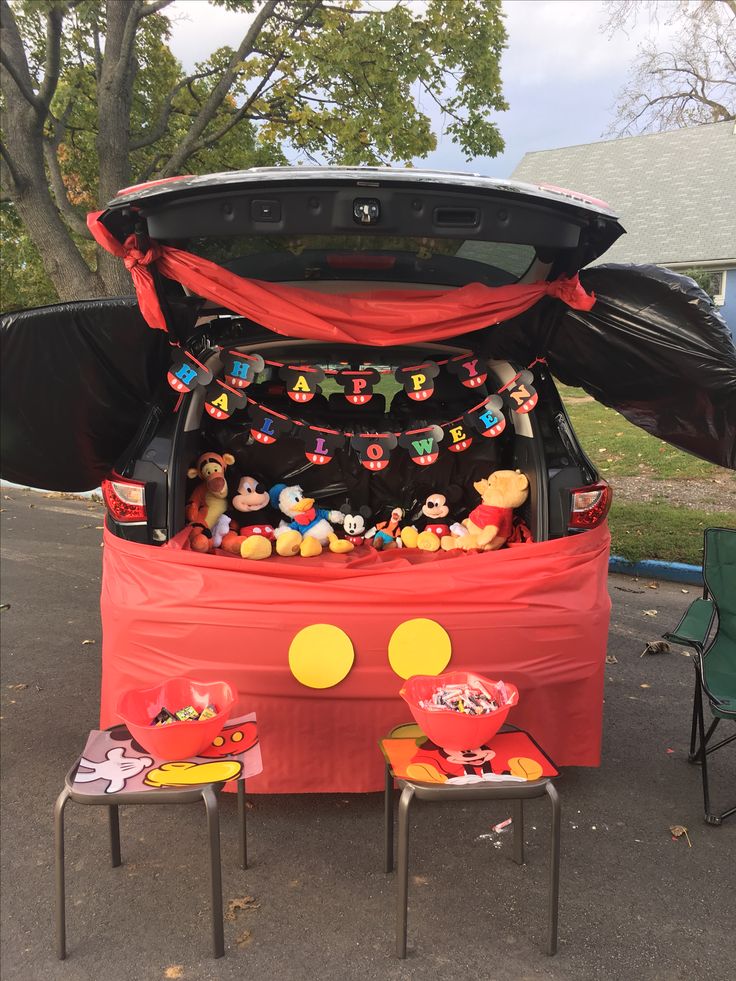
(11, 167)
(70, 215)
(219, 91)
(13, 57)
(153, 7)
(159, 128)
(702, 54)
(54, 21)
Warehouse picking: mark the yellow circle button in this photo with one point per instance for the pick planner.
(321, 655)
(419, 647)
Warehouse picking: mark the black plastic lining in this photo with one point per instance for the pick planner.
(653, 347)
(403, 483)
(77, 382)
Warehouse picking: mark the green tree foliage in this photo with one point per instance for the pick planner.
(23, 280)
(94, 100)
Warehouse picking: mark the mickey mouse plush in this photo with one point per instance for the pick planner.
(426, 533)
(247, 527)
(355, 523)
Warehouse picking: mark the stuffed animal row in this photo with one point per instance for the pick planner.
(259, 520)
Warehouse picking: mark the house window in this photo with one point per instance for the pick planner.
(712, 281)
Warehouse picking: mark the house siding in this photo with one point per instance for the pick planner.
(728, 310)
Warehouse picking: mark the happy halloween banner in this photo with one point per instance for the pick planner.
(225, 396)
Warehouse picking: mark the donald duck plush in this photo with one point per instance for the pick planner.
(308, 529)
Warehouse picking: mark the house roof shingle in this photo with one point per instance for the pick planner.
(674, 192)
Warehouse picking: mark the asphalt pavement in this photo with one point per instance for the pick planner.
(635, 904)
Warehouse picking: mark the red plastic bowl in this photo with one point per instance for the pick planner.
(454, 730)
(178, 740)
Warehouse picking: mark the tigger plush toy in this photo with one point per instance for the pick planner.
(209, 499)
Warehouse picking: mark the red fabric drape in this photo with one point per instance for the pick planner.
(380, 318)
(535, 615)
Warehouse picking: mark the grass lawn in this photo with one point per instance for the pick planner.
(661, 531)
(654, 529)
(619, 449)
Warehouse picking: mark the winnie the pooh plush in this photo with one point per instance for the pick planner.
(489, 525)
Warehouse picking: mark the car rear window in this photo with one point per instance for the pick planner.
(441, 261)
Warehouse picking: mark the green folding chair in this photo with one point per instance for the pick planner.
(709, 627)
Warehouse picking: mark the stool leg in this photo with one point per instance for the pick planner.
(388, 822)
(59, 869)
(519, 832)
(405, 800)
(242, 826)
(213, 829)
(114, 835)
(554, 881)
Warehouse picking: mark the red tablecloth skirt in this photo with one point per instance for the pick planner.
(535, 614)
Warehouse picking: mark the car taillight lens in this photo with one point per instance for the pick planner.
(125, 499)
(590, 505)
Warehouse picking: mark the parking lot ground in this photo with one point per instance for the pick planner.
(634, 905)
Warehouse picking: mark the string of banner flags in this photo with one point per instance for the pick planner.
(226, 395)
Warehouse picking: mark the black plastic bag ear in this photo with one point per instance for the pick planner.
(95, 368)
(653, 347)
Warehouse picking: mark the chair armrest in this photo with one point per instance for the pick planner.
(694, 627)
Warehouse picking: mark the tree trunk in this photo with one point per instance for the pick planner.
(29, 189)
(24, 173)
(114, 99)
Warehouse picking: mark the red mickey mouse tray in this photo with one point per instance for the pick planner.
(113, 763)
(510, 757)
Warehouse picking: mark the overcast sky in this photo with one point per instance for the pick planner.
(560, 74)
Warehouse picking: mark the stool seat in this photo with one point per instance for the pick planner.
(113, 758)
(408, 751)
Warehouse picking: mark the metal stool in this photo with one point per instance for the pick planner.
(207, 792)
(516, 792)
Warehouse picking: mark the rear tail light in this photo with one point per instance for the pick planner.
(589, 505)
(125, 499)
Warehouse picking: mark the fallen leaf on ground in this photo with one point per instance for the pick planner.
(678, 830)
(244, 938)
(656, 647)
(174, 971)
(645, 686)
(87, 642)
(649, 613)
(16, 687)
(653, 585)
(611, 659)
(684, 590)
(420, 880)
(245, 902)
